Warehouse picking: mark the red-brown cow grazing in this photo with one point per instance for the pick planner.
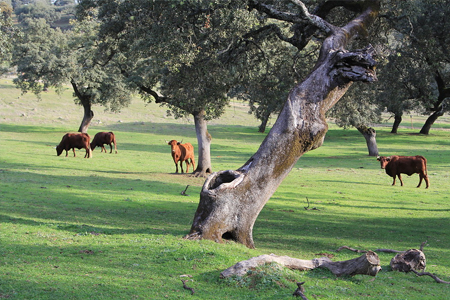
(182, 152)
(72, 141)
(102, 138)
(394, 165)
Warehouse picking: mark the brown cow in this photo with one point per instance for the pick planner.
(394, 165)
(102, 138)
(182, 152)
(72, 141)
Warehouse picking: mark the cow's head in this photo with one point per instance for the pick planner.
(384, 160)
(173, 144)
(59, 150)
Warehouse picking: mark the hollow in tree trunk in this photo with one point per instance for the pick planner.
(204, 145)
(370, 135)
(230, 201)
(397, 121)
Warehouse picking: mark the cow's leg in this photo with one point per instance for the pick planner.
(67, 152)
(187, 165)
(176, 165)
(104, 149)
(74, 155)
(393, 183)
(181, 166)
(420, 180)
(400, 177)
(110, 146)
(427, 181)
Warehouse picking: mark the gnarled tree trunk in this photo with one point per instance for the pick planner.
(230, 201)
(204, 145)
(370, 135)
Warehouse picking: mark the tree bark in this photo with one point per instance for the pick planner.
(87, 118)
(263, 125)
(430, 121)
(413, 259)
(204, 145)
(397, 121)
(444, 92)
(370, 135)
(230, 201)
(85, 100)
(367, 264)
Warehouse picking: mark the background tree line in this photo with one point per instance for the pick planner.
(194, 56)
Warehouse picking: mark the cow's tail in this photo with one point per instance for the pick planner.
(425, 162)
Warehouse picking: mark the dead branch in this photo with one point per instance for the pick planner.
(351, 249)
(437, 279)
(376, 250)
(299, 292)
(184, 192)
(367, 264)
(388, 251)
(307, 207)
(422, 245)
(186, 287)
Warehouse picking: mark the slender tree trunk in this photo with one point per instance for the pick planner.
(430, 121)
(370, 136)
(397, 121)
(87, 118)
(85, 101)
(263, 125)
(230, 201)
(444, 92)
(204, 145)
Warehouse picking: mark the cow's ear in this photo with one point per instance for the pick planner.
(179, 143)
(378, 158)
(388, 158)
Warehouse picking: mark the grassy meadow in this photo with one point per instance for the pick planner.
(112, 227)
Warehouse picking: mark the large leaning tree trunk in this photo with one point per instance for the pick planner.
(204, 145)
(230, 201)
(370, 135)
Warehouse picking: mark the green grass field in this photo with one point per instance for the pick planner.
(112, 227)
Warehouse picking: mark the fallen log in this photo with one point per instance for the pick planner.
(241, 268)
(367, 264)
(412, 259)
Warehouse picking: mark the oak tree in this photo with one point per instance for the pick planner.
(231, 200)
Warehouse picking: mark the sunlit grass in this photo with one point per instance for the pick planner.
(111, 227)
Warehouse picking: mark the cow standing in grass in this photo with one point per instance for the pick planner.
(102, 138)
(395, 165)
(182, 152)
(72, 141)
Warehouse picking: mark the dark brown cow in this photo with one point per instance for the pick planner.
(395, 165)
(102, 138)
(182, 152)
(72, 141)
